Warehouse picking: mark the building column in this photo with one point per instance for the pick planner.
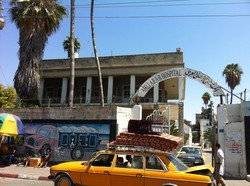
(156, 93)
(181, 120)
(40, 91)
(88, 90)
(181, 82)
(64, 90)
(132, 86)
(110, 89)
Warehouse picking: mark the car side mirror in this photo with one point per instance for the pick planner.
(87, 163)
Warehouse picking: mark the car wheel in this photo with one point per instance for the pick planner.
(44, 149)
(77, 153)
(63, 180)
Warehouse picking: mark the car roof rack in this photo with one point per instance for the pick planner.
(133, 148)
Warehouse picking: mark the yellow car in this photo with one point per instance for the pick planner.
(131, 168)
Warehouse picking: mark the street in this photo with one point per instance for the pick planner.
(229, 181)
(23, 182)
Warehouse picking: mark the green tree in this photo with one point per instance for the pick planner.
(208, 135)
(8, 97)
(66, 45)
(173, 128)
(196, 132)
(175, 131)
(206, 98)
(232, 73)
(36, 21)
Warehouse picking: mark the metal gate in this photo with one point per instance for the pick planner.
(247, 142)
(162, 120)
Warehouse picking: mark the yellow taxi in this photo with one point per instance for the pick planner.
(131, 167)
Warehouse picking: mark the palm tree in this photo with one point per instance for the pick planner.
(206, 98)
(1, 17)
(66, 45)
(72, 51)
(36, 21)
(208, 135)
(232, 73)
(96, 54)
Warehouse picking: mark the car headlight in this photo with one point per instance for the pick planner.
(197, 161)
(52, 172)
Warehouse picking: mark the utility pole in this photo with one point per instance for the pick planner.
(1, 16)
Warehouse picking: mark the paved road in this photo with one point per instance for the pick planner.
(23, 182)
(229, 181)
(30, 172)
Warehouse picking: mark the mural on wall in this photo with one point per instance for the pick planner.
(68, 141)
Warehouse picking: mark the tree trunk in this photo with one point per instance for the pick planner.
(72, 57)
(231, 101)
(96, 54)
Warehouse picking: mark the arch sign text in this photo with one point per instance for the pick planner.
(180, 72)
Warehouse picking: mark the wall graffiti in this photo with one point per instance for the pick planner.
(234, 141)
(67, 141)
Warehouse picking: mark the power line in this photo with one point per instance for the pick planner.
(3, 75)
(160, 5)
(107, 5)
(132, 4)
(167, 16)
(160, 16)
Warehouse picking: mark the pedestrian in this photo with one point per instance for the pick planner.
(129, 161)
(8, 159)
(219, 166)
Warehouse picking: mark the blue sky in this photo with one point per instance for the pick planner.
(211, 34)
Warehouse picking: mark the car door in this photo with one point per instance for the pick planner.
(122, 175)
(156, 173)
(98, 172)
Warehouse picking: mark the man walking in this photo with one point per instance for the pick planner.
(219, 165)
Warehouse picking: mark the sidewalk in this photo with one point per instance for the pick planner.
(21, 172)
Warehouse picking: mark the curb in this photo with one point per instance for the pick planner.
(248, 177)
(24, 176)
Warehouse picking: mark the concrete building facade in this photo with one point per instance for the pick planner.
(121, 76)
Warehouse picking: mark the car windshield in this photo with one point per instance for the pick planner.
(179, 165)
(191, 150)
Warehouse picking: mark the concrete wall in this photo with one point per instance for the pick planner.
(234, 141)
(113, 65)
(66, 113)
(125, 114)
(231, 136)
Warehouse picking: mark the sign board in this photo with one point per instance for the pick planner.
(180, 72)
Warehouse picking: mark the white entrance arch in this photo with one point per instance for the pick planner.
(179, 72)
